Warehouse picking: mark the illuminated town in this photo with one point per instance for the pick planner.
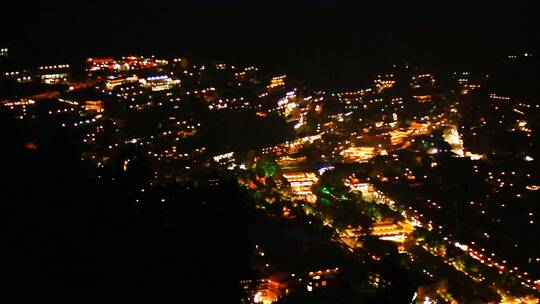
(379, 175)
(420, 186)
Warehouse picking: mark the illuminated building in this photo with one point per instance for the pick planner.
(54, 74)
(112, 81)
(353, 95)
(242, 75)
(289, 107)
(277, 82)
(265, 296)
(420, 128)
(367, 189)
(127, 63)
(159, 83)
(398, 136)
(269, 290)
(431, 293)
(422, 98)
(320, 278)
(358, 154)
(497, 97)
(138, 62)
(98, 64)
(20, 103)
(96, 106)
(384, 82)
(301, 183)
(291, 147)
(287, 161)
(226, 159)
(452, 137)
(464, 80)
(390, 231)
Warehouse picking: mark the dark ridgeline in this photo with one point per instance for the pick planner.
(326, 43)
(73, 237)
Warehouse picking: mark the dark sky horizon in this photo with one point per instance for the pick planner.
(323, 42)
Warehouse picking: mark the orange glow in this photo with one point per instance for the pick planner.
(30, 145)
(93, 106)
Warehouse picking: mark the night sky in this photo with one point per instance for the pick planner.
(326, 43)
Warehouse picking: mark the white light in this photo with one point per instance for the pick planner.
(257, 298)
(324, 169)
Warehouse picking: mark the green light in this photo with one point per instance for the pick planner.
(326, 191)
(267, 167)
